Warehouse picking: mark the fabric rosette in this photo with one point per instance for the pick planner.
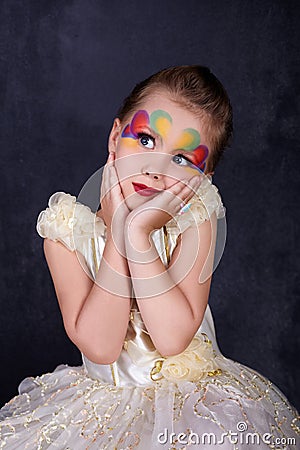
(67, 220)
(196, 362)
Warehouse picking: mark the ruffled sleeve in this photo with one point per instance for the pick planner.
(68, 221)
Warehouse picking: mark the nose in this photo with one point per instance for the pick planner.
(154, 165)
(153, 175)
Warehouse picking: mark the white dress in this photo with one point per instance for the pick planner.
(197, 400)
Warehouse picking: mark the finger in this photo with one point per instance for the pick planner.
(195, 181)
(177, 197)
(110, 156)
(185, 189)
(108, 181)
(113, 176)
(104, 181)
(112, 187)
(190, 190)
(109, 177)
(109, 161)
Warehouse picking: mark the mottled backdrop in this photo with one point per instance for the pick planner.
(66, 65)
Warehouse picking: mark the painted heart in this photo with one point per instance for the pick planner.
(138, 122)
(199, 155)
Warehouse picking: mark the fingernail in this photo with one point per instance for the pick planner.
(185, 208)
(196, 179)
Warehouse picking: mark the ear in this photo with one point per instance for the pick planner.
(114, 135)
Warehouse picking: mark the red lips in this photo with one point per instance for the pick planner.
(144, 190)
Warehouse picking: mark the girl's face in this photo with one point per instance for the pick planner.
(158, 145)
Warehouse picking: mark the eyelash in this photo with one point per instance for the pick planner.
(141, 134)
(184, 157)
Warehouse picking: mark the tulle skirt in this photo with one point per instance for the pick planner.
(68, 409)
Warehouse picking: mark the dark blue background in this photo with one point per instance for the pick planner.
(66, 66)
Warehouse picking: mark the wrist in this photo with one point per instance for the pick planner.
(138, 244)
(135, 227)
(115, 243)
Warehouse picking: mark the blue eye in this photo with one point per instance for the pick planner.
(181, 160)
(146, 140)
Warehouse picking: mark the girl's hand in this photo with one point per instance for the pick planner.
(113, 206)
(155, 213)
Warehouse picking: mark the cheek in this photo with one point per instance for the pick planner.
(129, 163)
(190, 171)
(127, 146)
(126, 186)
(175, 173)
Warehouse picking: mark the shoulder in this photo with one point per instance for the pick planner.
(67, 220)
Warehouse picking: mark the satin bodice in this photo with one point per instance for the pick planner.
(124, 371)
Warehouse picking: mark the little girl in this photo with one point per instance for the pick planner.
(132, 281)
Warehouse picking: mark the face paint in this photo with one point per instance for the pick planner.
(190, 141)
(138, 122)
(192, 169)
(190, 163)
(199, 155)
(160, 121)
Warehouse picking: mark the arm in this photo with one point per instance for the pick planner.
(95, 319)
(171, 301)
(95, 315)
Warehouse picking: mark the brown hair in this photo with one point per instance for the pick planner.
(197, 89)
